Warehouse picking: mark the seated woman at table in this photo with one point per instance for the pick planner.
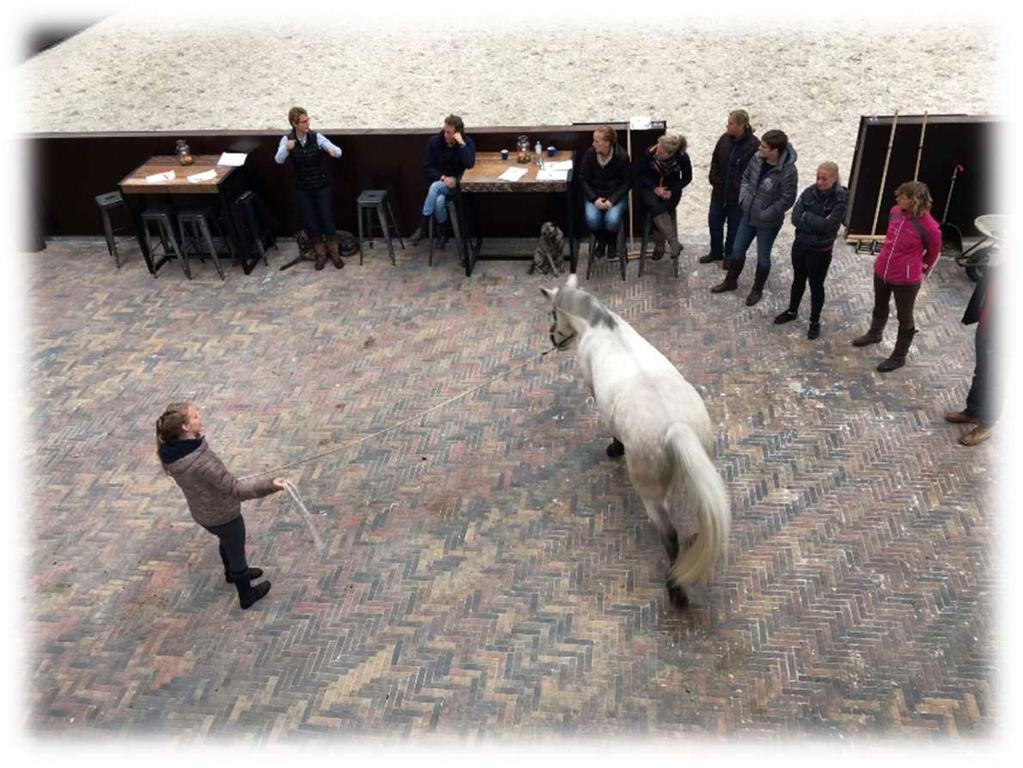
(448, 155)
(312, 187)
(605, 175)
(662, 172)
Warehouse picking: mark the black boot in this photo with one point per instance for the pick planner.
(248, 594)
(759, 281)
(872, 336)
(731, 281)
(786, 317)
(253, 573)
(421, 230)
(709, 258)
(898, 356)
(616, 448)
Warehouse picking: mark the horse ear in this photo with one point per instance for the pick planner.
(549, 294)
(573, 280)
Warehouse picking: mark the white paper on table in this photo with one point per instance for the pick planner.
(558, 165)
(197, 178)
(547, 174)
(513, 174)
(234, 159)
(156, 178)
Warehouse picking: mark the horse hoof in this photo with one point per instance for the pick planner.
(616, 448)
(678, 597)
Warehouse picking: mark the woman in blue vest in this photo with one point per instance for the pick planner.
(312, 187)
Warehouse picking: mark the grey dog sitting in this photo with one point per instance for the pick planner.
(548, 254)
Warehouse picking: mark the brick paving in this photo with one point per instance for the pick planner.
(487, 572)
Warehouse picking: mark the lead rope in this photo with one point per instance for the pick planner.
(293, 491)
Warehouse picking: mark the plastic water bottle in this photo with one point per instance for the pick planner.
(538, 149)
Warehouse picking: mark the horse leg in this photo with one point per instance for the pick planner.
(616, 448)
(669, 537)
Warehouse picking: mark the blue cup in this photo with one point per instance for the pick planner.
(551, 151)
(504, 154)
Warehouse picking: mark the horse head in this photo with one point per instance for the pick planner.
(561, 331)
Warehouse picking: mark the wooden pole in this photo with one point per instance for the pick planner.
(920, 149)
(884, 174)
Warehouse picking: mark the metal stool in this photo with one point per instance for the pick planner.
(647, 224)
(378, 200)
(253, 227)
(108, 203)
(621, 253)
(161, 216)
(196, 227)
(452, 208)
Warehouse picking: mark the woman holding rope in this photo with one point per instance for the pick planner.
(213, 494)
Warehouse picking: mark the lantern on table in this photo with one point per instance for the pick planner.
(522, 149)
(184, 152)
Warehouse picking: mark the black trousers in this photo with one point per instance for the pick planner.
(982, 401)
(810, 266)
(232, 544)
(905, 299)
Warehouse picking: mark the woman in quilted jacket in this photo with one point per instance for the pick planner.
(912, 245)
(213, 494)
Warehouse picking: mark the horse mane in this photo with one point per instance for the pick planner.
(578, 303)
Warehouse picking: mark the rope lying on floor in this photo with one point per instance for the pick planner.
(293, 491)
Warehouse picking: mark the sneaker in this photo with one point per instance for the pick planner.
(785, 317)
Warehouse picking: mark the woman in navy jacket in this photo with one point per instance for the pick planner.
(817, 215)
(662, 172)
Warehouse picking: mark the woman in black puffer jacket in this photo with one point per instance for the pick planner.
(817, 215)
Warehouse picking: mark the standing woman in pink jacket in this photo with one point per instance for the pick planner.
(911, 246)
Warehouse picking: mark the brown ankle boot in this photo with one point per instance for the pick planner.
(320, 253)
(872, 336)
(335, 254)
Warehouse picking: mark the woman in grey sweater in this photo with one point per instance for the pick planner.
(213, 494)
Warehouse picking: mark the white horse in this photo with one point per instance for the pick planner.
(660, 423)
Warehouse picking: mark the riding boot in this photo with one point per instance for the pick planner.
(658, 252)
(662, 223)
(731, 281)
(898, 356)
(320, 253)
(334, 251)
(248, 594)
(759, 281)
(873, 336)
(421, 230)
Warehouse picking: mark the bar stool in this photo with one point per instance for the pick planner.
(451, 207)
(196, 227)
(647, 224)
(160, 215)
(254, 227)
(620, 253)
(108, 203)
(378, 200)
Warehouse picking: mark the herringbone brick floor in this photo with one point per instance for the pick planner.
(487, 572)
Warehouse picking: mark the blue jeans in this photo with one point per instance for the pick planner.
(607, 221)
(745, 235)
(317, 212)
(436, 201)
(718, 215)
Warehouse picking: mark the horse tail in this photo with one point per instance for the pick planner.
(695, 476)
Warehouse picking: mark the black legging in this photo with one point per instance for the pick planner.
(808, 264)
(232, 544)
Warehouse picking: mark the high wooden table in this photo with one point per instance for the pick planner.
(484, 177)
(134, 188)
